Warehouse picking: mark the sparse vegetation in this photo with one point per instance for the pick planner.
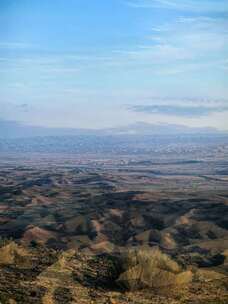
(150, 268)
(113, 236)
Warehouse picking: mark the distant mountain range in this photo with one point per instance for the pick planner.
(135, 139)
(156, 129)
(11, 129)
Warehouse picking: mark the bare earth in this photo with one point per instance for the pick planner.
(64, 222)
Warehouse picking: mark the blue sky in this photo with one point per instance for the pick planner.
(105, 63)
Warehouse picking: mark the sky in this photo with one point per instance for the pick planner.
(108, 63)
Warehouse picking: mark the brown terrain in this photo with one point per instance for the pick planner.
(114, 231)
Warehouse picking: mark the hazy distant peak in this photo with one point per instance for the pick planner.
(147, 128)
(12, 129)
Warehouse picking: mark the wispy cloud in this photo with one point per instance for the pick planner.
(186, 44)
(183, 5)
(183, 45)
(175, 110)
(15, 45)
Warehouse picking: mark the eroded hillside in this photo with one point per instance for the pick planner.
(65, 229)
